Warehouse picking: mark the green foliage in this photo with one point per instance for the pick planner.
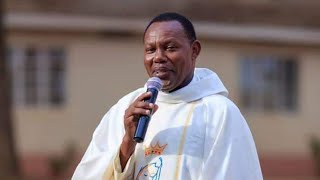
(315, 148)
(59, 164)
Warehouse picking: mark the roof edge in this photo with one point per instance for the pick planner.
(209, 30)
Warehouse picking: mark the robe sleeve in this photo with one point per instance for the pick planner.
(229, 151)
(101, 159)
(128, 171)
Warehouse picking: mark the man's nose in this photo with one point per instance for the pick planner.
(159, 56)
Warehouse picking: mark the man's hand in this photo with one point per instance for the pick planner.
(131, 117)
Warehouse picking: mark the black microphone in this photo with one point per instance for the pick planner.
(154, 84)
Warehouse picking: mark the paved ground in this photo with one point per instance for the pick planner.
(291, 178)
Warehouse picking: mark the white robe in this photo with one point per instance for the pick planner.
(196, 134)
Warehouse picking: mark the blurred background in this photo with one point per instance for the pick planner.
(65, 63)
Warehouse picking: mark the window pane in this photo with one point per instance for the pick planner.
(57, 66)
(15, 58)
(31, 76)
(37, 75)
(268, 83)
(291, 71)
(43, 76)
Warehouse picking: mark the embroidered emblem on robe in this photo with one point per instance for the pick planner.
(151, 171)
(156, 149)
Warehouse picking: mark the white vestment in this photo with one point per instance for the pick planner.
(196, 134)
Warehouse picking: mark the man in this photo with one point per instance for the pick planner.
(196, 132)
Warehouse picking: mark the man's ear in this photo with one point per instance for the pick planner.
(196, 48)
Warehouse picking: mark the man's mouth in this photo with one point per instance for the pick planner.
(162, 73)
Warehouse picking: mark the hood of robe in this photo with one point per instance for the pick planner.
(204, 83)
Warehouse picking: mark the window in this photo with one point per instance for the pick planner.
(56, 74)
(38, 75)
(30, 69)
(269, 83)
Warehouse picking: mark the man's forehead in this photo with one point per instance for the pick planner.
(166, 29)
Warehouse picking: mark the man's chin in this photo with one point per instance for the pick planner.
(166, 83)
(166, 86)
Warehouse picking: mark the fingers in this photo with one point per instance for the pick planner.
(132, 114)
(139, 107)
(156, 107)
(144, 105)
(144, 96)
(139, 111)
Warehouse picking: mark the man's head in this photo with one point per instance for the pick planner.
(170, 50)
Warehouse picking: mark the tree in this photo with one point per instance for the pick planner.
(8, 161)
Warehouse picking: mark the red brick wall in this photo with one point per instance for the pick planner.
(287, 166)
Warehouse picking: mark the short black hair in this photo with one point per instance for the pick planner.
(172, 16)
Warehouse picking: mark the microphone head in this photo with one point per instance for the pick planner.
(154, 82)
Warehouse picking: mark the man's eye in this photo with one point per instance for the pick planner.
(171, 48)
(150, 50)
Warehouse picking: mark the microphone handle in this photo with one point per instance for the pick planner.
(144, 120)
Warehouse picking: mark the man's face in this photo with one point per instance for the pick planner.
(169, 54)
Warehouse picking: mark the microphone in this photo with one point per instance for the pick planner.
(154, 84)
